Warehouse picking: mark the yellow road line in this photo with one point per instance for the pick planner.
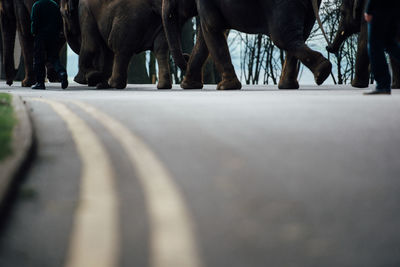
(94, 240)
(172, 241)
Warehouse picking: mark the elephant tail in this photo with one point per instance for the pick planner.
(172, 31)
(315, 5)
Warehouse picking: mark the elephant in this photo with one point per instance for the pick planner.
(114, 31)
(72, 32)
(288, 23)
(15, 15)
(351, 22)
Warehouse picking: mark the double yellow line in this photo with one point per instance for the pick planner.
(95, 236)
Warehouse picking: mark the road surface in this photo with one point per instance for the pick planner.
(257, 177)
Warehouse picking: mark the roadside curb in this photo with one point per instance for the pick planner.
(22, 147)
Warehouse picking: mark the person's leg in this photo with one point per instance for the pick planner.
(376, 51)
(39, 62)
(54, 58)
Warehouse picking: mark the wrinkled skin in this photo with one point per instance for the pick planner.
(351, 22)
(15, 15)
(119, 29)
(268, 17)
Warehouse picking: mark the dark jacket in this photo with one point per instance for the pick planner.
(375, 7)
(46, 21)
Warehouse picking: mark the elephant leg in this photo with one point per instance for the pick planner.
(315, 61)
(26, 41)
(105, 64)
(96, 75)
(80, 77)
(395, 73)
(194, 73)
(218, 47)
(290, 35)
(8, 29)
(361, 76)
(123, 47)
(86, 57)
(161, 53)
(120, 69)
(289, 74)
(89, 50)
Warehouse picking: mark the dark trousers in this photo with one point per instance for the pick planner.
(382, 31)
(46, 49)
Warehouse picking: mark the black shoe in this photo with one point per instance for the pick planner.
(39, 86)
(378, 92)
(64, 80)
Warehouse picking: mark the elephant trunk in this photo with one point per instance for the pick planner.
(172, 31)
(315, 6)
(9, 30)
(337, 42)
(70, 14)
(73, 39)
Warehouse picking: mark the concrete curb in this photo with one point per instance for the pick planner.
(22, 145)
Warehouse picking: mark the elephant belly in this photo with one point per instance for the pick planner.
(240, 15)
(131, 24)
(252, 27)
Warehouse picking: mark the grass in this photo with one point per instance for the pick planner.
(7, 121)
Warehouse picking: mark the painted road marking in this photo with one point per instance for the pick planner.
(173, 242)
(94, 239)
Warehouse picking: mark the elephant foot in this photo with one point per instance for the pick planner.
(94, 77)
(232, 84)
(288, 85)
(80, 78)
(103, 85)
(164, 85)
(117, 83)
(28, 82)
(191, 84)
(52, 76)
(358, 83)
(322, 71)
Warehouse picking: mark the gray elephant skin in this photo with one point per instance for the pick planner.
(114, 31)
(72, 31)
(15, 14)
(288, 23)
(351, 22)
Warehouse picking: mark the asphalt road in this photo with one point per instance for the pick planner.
(257, 177)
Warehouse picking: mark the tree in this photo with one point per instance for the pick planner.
(260, 59)
(344, 60)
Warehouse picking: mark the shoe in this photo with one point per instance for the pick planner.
(378, 92)
(39, 86)
(64, 80)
